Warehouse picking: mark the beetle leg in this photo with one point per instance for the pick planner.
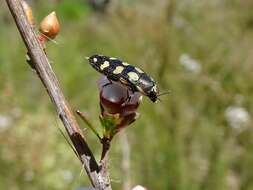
(128, 98)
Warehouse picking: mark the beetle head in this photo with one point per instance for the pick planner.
(153, 93)
(94, 59)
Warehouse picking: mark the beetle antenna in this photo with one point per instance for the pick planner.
(164, 93)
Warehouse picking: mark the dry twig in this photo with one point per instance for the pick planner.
(99, 178)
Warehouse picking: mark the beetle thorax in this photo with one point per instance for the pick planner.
(148, 87)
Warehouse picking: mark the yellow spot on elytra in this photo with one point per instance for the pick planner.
(139, 70)
(104, 65)
(112, 58)
(133, 76)
(118, 70)
(125, 63)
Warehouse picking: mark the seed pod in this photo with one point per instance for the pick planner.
(28, 12)
(118, 104)
(50, 26)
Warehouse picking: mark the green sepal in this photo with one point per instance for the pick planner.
(109, 123)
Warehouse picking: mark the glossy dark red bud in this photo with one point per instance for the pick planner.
(114, 99)
(127, 119)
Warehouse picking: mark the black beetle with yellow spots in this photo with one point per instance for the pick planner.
(132, 77)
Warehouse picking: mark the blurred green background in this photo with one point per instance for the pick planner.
(198, 138)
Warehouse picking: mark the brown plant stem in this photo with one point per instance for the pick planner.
(106, 143)
(99, 178)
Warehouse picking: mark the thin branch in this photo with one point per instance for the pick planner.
(106, 143)
(88, 123)
(98, 178)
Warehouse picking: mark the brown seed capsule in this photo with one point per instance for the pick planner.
(28, 12)
(114, 100)
(50, 26)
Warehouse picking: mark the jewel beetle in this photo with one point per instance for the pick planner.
(132, 77)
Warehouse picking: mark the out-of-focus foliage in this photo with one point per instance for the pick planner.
(198, 137)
